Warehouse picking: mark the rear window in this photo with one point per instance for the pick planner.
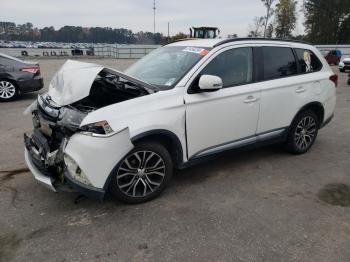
(308, 61)
(278, 62)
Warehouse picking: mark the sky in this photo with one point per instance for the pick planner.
(231, 16)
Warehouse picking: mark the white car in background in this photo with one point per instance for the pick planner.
(344, 64)
(98, 129)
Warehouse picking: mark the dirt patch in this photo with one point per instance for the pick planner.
(9, 174)
(8, 247)
(335, 194)
(38, 233)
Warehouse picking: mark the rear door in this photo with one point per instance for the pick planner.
(279, 90)
(291, 79)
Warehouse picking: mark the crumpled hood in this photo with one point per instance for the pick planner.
(73, 82)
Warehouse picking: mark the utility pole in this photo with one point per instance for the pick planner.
(168, 31)
(154, 17)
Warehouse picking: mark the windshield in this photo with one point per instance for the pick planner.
(165, 66)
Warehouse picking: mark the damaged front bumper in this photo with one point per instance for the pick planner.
(41, 167)
(43, 179)
(79, 162)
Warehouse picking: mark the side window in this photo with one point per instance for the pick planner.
(235, 66)
(278, 62)
(308, 61)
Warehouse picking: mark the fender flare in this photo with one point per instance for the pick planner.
(178, 160)
(176, 146)
(312, 105)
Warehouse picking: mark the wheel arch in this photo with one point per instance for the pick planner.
(9, 79)
(316, 107)
(166, 138)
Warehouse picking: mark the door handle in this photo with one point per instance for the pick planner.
(250, 99)
(300, 90)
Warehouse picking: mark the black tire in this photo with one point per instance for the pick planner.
(120, 177)
(9, 84)
(297, 135)
(342, 70)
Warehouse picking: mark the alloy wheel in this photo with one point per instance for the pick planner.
(140, 173)
(305, 132)
(7, 90)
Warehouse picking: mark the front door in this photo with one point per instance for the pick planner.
(218, 120)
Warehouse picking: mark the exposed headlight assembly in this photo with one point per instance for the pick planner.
(98, 128)
(75, 171)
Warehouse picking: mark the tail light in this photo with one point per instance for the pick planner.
(334, 79)
(33, 70)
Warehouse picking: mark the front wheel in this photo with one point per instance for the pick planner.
(303, 132)
(342, 70)
(143, 174)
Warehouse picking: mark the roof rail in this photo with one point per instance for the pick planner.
(258, 39)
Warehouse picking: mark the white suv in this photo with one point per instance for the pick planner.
(98, 129)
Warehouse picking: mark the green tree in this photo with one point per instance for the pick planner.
(327, 22)
(269, 31)
(285, 18)
(178, 36)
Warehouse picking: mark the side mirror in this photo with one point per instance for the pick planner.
(210, 83)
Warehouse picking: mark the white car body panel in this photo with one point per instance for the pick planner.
(158, 111)
(97, 156)
(212, 117)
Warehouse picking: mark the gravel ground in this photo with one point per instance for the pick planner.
(261, 205)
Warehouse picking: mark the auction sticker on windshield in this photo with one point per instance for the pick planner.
(195, 50)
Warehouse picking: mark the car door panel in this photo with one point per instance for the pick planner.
(221, 117)
(280, 100)
(216, 119)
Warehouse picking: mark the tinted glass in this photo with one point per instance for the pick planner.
(278, 62)
(308, 61)
(235, 66)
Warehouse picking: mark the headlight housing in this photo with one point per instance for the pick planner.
(99, 128)
(75, 171)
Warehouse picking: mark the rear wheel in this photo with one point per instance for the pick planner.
(303, 132)
(8, 90)
(143, 174)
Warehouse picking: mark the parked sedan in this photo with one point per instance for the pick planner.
(17, 77)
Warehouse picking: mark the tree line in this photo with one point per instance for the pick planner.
(326, 22)
(77, 34)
